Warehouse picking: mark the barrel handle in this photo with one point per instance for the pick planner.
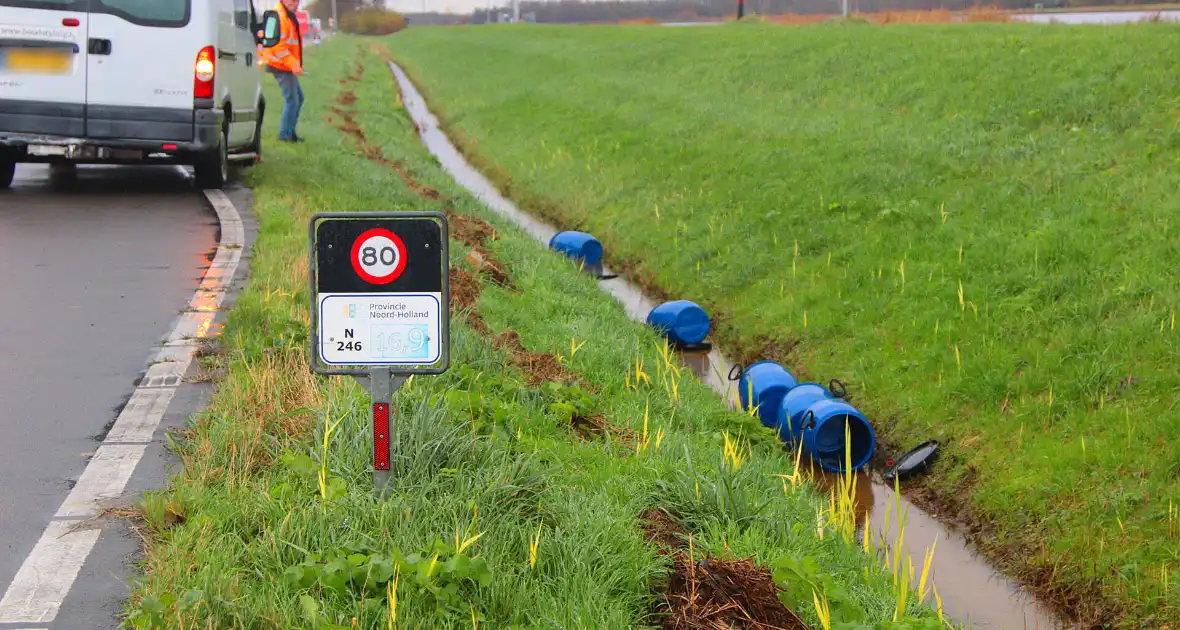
(808, 421)
(736, 372)
(837, 388)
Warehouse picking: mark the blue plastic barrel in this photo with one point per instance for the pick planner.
(744, 393)
(763, 385)
(794, 405)
(682, 322)
(835, 432)
(579, 246)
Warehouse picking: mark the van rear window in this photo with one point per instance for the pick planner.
(49, 5)
(162, 13)
(166, 13)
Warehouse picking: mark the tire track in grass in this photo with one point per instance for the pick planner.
(538, 367)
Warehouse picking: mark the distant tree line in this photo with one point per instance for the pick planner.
(356, 16)
(322, 9)
(574, 11)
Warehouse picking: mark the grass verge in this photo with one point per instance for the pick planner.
(972, 224)
(520, 476)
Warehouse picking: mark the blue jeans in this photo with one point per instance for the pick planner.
(292, 103)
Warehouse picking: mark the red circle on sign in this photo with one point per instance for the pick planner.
(378, 276)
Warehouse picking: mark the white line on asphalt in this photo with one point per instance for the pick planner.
(43, 581)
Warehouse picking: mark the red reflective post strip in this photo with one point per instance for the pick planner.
(380, 436)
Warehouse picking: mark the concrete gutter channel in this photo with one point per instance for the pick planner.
(973, 592)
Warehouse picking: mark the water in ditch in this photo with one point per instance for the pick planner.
(973, 593)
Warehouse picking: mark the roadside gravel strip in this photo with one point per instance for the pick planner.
(49, 572)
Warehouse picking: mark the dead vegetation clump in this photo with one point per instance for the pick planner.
(597, 426)
(270, 403)
(482, 261)
(990, 13)
(713, 593)
(659, 528)
(799, 19)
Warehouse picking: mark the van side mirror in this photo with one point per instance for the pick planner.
(270, 30)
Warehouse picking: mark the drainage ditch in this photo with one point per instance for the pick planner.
(973, 593)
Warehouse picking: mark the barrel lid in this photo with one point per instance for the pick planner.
(916, 460)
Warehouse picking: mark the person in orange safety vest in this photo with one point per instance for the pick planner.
(284, 60)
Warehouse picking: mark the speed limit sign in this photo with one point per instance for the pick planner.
(379, 287)
(379, 256)
(379, 308)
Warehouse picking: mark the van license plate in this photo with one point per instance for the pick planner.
(36, 60)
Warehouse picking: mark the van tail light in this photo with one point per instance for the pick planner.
(203, 72)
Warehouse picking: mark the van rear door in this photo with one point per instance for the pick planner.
(43, 67)
(142, 53)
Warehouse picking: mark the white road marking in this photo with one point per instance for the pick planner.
(48, 573)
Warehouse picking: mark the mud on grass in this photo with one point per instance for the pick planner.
(539, 367)
(472, 231)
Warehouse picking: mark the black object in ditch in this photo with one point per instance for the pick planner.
(917, 460)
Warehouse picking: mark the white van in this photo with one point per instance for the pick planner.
(132, 81)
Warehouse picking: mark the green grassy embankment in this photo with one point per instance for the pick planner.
(974, 225)
(520, 476)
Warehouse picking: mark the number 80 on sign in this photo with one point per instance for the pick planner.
(379, 256)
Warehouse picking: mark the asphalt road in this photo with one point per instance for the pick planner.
(94, 270)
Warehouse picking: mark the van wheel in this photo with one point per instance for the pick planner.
(256, 145)
(7, 173)
(7, 169)
(212, 167)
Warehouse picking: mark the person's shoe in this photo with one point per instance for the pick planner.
(291, 139)
(296, 138)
